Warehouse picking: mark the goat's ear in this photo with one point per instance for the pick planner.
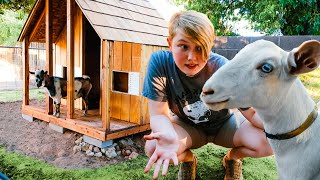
(304, 58)
(31, 72)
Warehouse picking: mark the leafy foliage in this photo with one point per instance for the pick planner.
(11, 24)
(288, 17)
(265, 16)
(4, 1)
(13, 14)
(219, 12)
(291, 17)
(17, 5)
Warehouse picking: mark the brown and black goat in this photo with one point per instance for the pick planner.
(57, 88)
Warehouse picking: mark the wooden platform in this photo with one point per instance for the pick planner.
(90, 125)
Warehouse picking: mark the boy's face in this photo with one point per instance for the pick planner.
(186, 54)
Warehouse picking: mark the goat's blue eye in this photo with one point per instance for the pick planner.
(267, 68)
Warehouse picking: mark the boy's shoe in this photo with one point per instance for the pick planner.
(187, 170)
(233, 169)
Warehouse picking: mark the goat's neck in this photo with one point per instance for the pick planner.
(289, 112)
(48, 81)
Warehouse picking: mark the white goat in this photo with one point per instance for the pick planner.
(264, 76)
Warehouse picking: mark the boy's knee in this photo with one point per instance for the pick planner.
(264, 149)
(267, 150)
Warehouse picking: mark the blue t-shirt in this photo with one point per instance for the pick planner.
(164, 81)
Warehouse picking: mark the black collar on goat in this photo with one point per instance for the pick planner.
(307, 123)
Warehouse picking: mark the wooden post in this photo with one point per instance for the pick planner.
(126, 67)
(25, 57)
(135, 101)
(115, 98)
(70, 58)
(49, 41)
(105, 88)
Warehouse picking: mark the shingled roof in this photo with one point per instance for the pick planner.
(134, 21)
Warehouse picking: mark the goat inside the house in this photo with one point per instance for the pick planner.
(57, 88)
(264, 76)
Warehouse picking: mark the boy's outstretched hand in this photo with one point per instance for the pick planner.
(167, 146)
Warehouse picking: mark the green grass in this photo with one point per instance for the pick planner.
(311, 81)
(18, 166)
(16, 95)
(210, 166)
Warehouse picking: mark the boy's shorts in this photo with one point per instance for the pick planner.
(223, 136)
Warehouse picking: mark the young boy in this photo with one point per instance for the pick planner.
(174, 83)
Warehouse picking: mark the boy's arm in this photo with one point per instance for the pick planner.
(167, 143)
(252, 116)
(159, 117)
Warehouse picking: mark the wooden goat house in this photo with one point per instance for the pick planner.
(112, 48)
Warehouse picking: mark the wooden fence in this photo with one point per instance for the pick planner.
(229, 46)
(11, 64)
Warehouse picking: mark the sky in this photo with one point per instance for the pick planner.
(166, 9)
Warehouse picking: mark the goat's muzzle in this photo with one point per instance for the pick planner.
(39, 82)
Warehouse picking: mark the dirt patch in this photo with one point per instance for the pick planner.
(37, 140)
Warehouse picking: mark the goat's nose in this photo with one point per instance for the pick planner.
(208, 92)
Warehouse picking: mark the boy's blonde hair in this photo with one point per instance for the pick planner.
(195, 26)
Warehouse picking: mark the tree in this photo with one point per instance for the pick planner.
(291, 17)
(4, 1)
(17, 5)
(13, 14)
(219, 12)
(11, 24)
(288, 17)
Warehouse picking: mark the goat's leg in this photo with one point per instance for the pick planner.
(57, 101)
(85, 100)
(55, 111)
(84, 92)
